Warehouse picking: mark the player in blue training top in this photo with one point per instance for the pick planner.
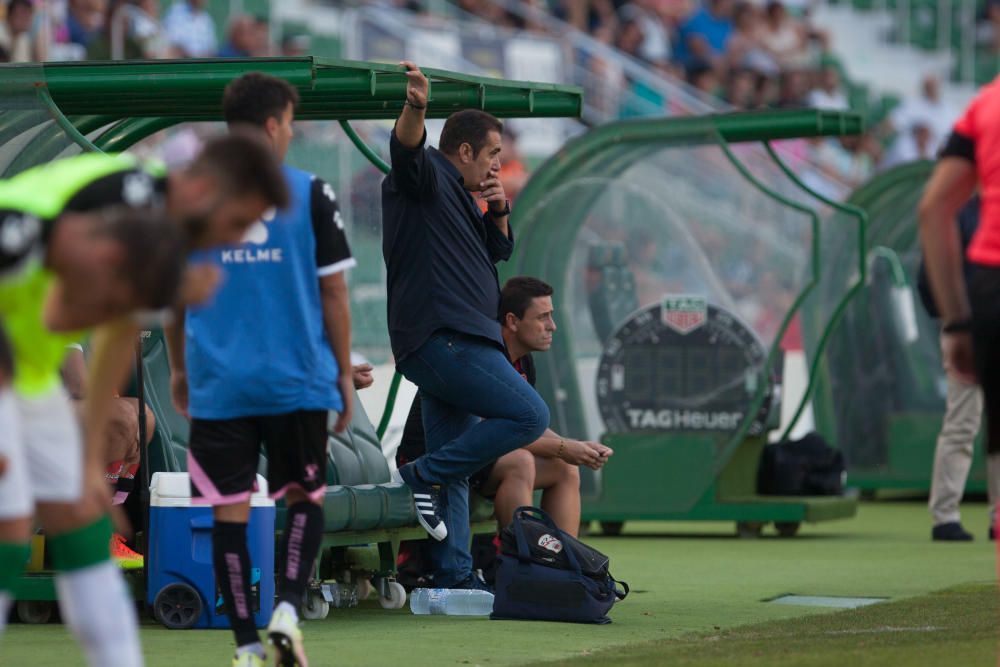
(265, 362)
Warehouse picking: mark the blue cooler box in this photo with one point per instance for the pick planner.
(181, 585)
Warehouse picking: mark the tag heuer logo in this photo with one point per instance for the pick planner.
(684, 314)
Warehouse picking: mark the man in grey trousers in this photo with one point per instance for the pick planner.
(962, 419)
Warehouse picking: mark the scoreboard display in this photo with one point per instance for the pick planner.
(682, 365)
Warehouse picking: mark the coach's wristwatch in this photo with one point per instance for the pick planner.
(505, 211)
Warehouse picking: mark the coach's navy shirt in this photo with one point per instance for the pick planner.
(439, 252)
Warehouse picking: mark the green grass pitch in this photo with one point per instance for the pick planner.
(697, 600)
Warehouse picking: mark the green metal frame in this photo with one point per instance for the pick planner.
(731, 493)
(862, 218)
(909, 430)
(536, 240)
(329, 89)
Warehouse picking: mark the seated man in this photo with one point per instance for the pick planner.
(552, 462)
(122, 442)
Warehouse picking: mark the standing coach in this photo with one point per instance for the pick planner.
(440, 252)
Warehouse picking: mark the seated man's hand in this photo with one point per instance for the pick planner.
(363, 376)
(580, 453)
(603, 451)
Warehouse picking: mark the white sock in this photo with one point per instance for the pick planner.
(5, 600)
(256, 647)
(289, 607)
(95, 604)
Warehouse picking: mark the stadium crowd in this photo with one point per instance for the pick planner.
(131, 29)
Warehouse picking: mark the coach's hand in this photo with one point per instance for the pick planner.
(956, 351)
(179, 392)
(416, 85)
(491, 190)
(346, 384)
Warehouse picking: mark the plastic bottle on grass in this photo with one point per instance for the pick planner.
(451, 602)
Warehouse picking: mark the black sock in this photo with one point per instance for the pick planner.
(299, 547)
(231, 559)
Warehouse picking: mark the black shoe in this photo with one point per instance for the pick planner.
(427, 500)
(991, 534)
(950, 532)
(473, 583)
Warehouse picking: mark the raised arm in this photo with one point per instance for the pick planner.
(410, 126)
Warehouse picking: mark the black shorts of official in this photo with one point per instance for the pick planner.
(223, 456)
(984, 297)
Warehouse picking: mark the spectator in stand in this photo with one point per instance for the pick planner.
(910, 146)
(295, 45)
(630, 38)
(589, 16)
(241, 37)
(829, 94)
(794, 86)
(142, 36)
(655, 46)
(784, 37)
(15, 32)
(703, 76)
(84, 19)
(705, 36)
(741, 89)
(191, 29)
(928, 109)
(746, 46)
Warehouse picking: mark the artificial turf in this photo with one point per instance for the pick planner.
(688, 580)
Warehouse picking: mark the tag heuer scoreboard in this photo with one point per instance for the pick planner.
(682, 365)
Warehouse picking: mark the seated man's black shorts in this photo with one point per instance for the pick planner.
(224, 453)
(478, 479)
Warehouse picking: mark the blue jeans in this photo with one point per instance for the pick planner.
(476, 408)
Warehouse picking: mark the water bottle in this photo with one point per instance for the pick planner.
(341, 596)
(451, 602)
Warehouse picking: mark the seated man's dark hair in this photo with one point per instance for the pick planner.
(154, 252)
(243, 164)
(255, 97)
(517, 293)
(470, 126)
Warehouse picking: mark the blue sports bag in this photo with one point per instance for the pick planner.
(547, 575)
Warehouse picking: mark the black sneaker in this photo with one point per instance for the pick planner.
(950, 532)
(427, 500)
(991, 534)
(473, 583)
